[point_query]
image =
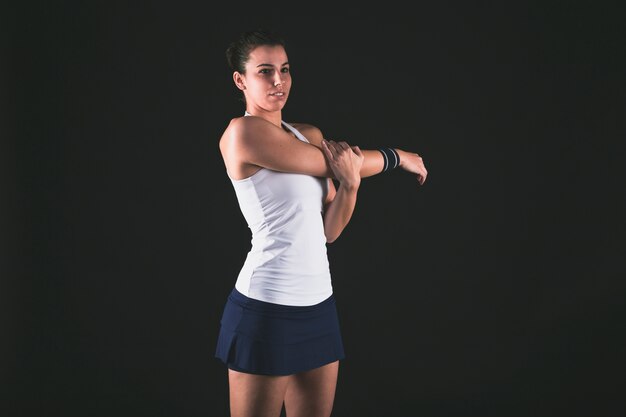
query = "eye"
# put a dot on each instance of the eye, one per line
(284, 70)
(264, 71)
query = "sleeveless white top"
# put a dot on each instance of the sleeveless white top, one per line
(287, 263)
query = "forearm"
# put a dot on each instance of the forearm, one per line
(339, 211)
(373, 161)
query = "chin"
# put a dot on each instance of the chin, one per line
(276, 106)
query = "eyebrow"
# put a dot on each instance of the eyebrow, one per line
(270, 65)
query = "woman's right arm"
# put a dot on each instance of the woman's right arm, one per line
(251, 142)
(254, 142)
(373, 163)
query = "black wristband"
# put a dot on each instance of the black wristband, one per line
(390, 157)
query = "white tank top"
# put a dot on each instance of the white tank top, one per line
(287, 263)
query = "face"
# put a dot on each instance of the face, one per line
(267, 80)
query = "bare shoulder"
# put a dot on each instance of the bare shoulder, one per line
(240, 125)
(312, 133)
(230, 131)
(240, 129)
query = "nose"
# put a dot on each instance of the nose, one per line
(278, 80)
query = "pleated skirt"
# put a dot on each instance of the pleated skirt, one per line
(263, 338)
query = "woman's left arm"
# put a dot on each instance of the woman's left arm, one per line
(346, 162)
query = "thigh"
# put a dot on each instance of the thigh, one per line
(312, 393)
(256, 395)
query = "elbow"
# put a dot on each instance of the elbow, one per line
(330, 238)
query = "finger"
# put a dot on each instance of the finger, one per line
(332, 148)
(357, 150)
(326, 149)
(337, 148)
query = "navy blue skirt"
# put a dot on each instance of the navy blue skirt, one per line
(272, 339)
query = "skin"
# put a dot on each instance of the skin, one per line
(259, 141)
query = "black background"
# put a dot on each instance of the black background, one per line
(496, 289)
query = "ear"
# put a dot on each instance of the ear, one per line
(238, 78)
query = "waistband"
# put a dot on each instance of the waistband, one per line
(263, 306)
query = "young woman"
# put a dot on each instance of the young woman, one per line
(280, 336)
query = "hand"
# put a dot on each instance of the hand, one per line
(412, 162)
(345, 161)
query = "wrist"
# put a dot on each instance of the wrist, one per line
(350, 186)
(401, 156)
(391, 158)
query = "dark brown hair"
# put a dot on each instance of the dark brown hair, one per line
(238, 52)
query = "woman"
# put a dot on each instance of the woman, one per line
(279, 334)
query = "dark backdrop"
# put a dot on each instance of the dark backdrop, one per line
(496, 289)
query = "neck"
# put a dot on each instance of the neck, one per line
(273, 117)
